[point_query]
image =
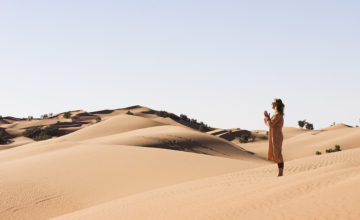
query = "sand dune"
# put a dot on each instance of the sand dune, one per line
(319, 187)
(175, 138)
(300, 143)
(105, 161)
(143, 166)
(114, 125)
(66, 176)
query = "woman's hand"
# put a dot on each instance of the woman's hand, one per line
(266, 114)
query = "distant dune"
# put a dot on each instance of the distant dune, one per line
(143, 166)
(301, 143)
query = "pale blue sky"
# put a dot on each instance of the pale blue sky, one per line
(221, 62)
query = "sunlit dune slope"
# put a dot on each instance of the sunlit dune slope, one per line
(113, 125)
(300, 143)
(49, 179)
(319, 187)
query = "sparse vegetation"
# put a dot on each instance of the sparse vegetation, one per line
(58, 122)
(230, 132)
(337, 148)
(244, 138)
(309, 126)
(238, 128)
(184, 117)
(41, 132)
(318, 153)
(166, 114)
(302, 123)
(67, 114)
(253, 137)
(98, 119)
(267, 134)
(194, 121)
(50, 114)
(205, 128)
(30, 118)
(129, 113)
(3, 138)
(44, 116)
(163, 114)
(173, 116)
(1, 118)
(356, 126)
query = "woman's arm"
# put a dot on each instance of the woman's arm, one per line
(272, 122)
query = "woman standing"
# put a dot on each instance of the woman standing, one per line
(275, 124)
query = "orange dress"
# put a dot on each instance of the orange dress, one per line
(275, 137)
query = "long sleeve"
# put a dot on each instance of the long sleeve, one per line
(274, 120)
(265, 121)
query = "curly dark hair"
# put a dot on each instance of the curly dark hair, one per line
(279, 106)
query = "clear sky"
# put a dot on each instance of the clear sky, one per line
(221, 62)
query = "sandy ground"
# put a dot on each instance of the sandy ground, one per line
(318, 187)
(143, 166)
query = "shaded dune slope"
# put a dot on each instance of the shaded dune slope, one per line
(175, 138)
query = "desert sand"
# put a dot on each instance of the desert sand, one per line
(143, 166)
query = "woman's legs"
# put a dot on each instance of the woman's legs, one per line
(281, 168)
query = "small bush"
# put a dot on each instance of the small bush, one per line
(58, 122)
(98, 119)
(184, 117)
(230, 132)
(67, 114)
(38, 133)
(163, 114)
(318, 153)
(253, 137)
(30, 118)
(205, 128)
(173, 116)
(244, 138)
(337, 148)
(3, 138)
(44, 116)
(238, 128)
(267, 134)
(129, 113)
(302, 123)
(1, 118)
(194, 121)
(50, 114)
(309, 126)
(357, 126)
